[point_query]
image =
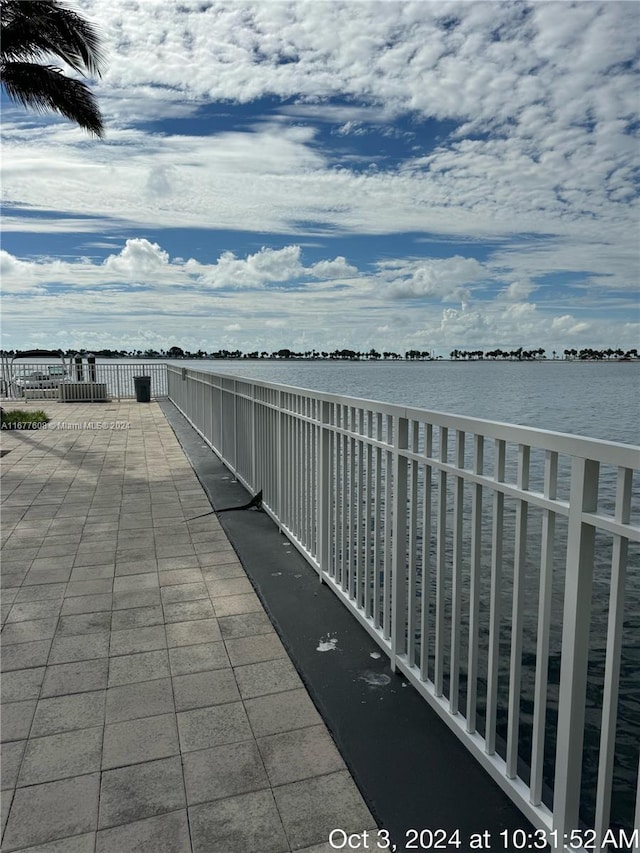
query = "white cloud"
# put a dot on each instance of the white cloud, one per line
(142, 262)
(568, 326)
(264, 267)
(337, 268)
(517, 291)
(445, 279)
(17, 276)
(138, 258)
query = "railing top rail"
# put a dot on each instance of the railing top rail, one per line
(606, 452)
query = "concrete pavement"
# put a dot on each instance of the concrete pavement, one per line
(147, 702)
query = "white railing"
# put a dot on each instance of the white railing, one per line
(491, 562)
(118, 377)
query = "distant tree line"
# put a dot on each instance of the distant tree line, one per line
(599, 355)
(522, 354)
(285, 353)
(519, 354)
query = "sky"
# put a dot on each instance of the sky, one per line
(327, 175)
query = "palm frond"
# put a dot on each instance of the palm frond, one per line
(35, 29)
(44, 88)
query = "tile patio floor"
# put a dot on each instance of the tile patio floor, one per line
(147, 703)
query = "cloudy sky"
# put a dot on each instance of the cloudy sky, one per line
(329, 174)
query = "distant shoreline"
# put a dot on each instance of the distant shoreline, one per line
(272, 360)
(392, 360)
(402, 360)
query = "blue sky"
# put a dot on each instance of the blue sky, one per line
(398, 175)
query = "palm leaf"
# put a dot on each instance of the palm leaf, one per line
(36, 28)
(45, 88)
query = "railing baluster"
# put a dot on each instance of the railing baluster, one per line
(425, 603)
(359, 502)
(324, 485)
(441, 566)
(303, 474)
(495, 603)
(517, 615)
(456, 586)
(339, 504)
(544, 622)
(313, 499)
(388, 526)
(474, 585)
(254, 448)
(353, 497)
(309, 465)
(412, 602)
(345, 576)
(334, 494)
(612, 662)
(312, 461)
(298, 472)
(377, 545)
(369, 503)
(399, 566)
(282, 456)
(575, 644)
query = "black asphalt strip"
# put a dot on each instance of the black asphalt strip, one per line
(412, 771)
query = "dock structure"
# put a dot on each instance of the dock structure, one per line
(147, 702)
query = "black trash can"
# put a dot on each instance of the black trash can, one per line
(142, 384)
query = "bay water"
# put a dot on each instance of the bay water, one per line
(596, 399)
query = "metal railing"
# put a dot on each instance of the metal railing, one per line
(116, 376)
(491, 562)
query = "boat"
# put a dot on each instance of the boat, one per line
(23, 377)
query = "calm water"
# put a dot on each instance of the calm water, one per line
(598, 400)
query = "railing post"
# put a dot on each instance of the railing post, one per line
(544, 625)
(614, 649)
(279, 459)
(456, 579)
(212, 405)
(497, 531)
(399, 562)
(441, 566)
(517, 616)
(323, 485)
(234, 426)
(253, 436)
(575, 645)
(474, 586)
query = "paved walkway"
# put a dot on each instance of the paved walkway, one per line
(147, 703)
